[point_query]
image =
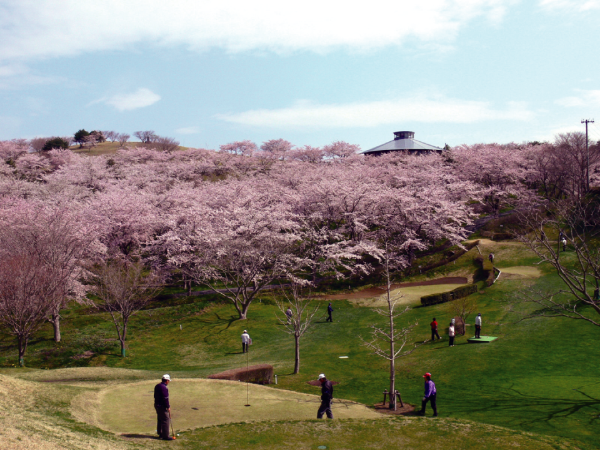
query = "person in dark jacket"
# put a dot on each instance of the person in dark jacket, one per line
(434, 329)
(429, 396)
(329, 311)
(163, 408)
(326, 397)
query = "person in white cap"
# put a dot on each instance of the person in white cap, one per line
(326, 397)
(478, 326)
(163, 408)
(245, 341)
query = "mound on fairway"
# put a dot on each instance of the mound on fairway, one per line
(199, 403)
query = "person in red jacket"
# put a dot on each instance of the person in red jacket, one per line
(434, 329)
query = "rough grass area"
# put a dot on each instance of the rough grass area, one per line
(33, 417)
(203, 403)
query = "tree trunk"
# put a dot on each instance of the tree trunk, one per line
(392, 347)
(297, 359)
(124, 336)
(244, 311)
(22, 348)
(56, 325)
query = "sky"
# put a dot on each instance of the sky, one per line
(313, 72)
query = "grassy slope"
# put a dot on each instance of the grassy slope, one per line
(540, 376)
(107, 148)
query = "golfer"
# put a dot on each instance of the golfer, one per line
(478, 326)
(329, 311)
(430, 395)
(451, 334)
(289, 314)
(326, 397)
(434, 329)
(163, 408)
(245, 341)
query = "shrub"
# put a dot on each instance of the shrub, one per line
(55, 143)
(459, 292)
(258, 374)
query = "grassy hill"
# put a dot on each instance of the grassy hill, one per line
(534, 387)
(108, 148)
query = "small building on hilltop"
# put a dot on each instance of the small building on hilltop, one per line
(404, 141)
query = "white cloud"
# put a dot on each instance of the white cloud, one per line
(371, 114)
(569, 5)
(15, 75)
(31, 29)
(585, 99)
(125, 102)
(187, 130)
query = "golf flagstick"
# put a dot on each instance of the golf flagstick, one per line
(171, 422)
(247, 377)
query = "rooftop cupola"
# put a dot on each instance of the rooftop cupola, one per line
(404, 135)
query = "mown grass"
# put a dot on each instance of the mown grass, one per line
(540, 376)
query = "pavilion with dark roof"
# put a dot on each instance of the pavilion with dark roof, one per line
(404, 141)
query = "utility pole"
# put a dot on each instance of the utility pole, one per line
(587, 148)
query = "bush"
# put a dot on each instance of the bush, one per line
(55, 143)
(459, 292)
(258, 374)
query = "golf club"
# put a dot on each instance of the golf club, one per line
(171, 421)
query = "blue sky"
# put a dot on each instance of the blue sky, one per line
(311, 72)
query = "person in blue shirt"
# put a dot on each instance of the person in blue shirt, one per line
(162, 407)
(329, 311)
(430, 395)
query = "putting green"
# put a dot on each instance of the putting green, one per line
(520, 272)
(406, 295)
(197, 403)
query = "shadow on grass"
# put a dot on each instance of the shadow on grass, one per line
(548, 409)
(139, 436)
(218, 324)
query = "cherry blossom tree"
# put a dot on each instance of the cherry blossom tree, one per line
(41, 253)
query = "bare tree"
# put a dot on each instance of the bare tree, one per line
(389, 343)
(580, 272)
(145, 136)
(123, 138)
(299, 320)
(463, 308)
(123, 288)
(112, 135)
(165, 144)
(37, 144)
